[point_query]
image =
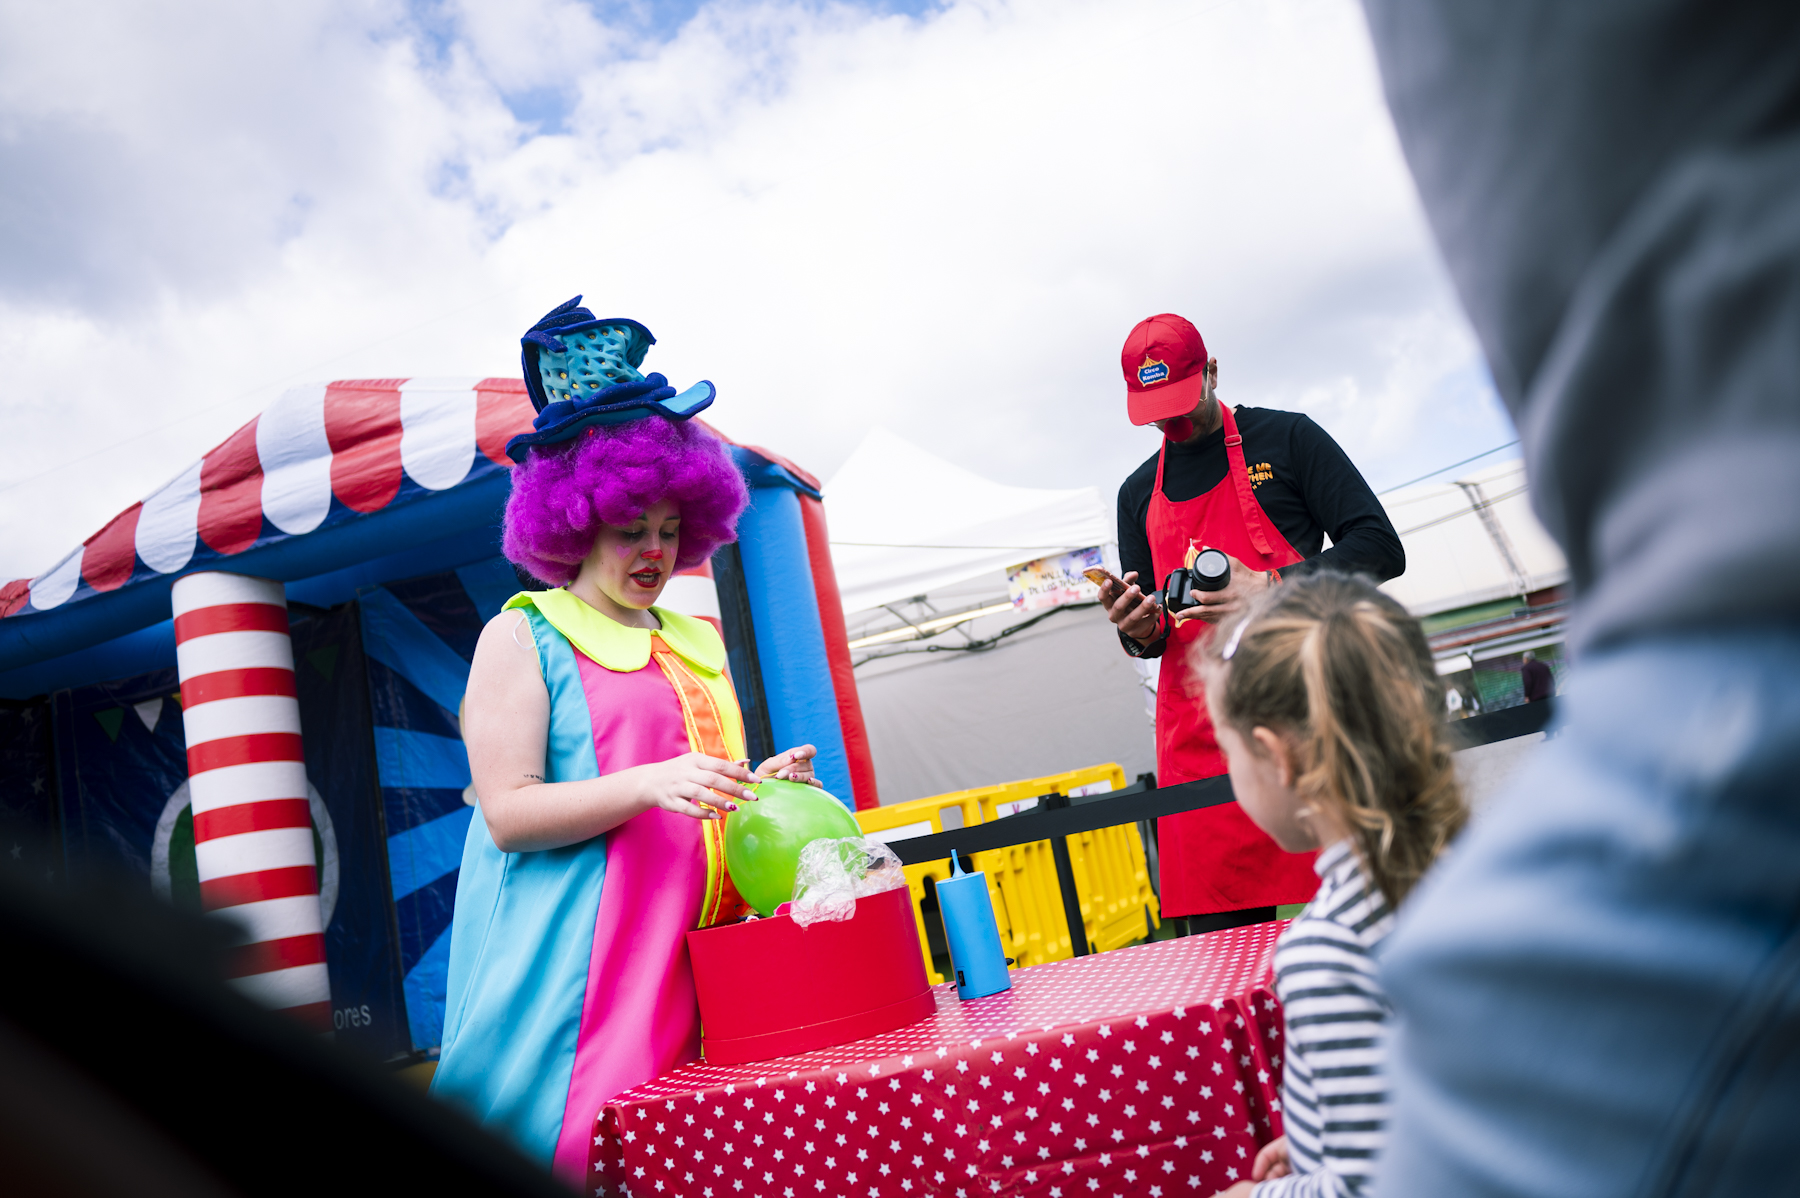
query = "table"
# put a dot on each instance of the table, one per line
(1153, 1070)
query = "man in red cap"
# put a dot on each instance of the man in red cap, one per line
(1266, 488)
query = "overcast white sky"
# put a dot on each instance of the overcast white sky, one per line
(942, 218)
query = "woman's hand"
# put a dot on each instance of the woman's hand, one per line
(1272, 1161)
(795, 765)
(692, 784)
(506, 726)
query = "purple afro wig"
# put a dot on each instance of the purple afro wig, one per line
(610, 475)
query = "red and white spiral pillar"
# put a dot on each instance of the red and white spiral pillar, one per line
(253, 837)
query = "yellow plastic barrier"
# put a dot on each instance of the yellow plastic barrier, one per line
(1111, 874)
(921, 817)
(1112, 878)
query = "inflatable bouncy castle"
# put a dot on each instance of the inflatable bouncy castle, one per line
(245, 690)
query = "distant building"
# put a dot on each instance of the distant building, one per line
(1484, 578)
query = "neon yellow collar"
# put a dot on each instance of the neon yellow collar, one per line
(623, 649)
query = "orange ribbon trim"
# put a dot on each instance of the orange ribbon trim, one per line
(706, 734)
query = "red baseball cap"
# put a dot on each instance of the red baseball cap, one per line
(1164, 362)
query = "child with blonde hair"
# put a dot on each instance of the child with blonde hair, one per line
(1329, 709)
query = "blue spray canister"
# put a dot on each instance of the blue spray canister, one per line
(972, 933)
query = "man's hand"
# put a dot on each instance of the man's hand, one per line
(1245, 585)
(1133, 611)
(1272, 1161)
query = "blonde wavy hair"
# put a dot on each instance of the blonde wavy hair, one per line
(1346, 674)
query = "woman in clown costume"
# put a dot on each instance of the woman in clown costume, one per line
(606, 745)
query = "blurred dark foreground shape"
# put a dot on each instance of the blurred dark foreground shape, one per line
(127, 1067)
(1598, 991)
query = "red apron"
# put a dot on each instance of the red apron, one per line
(1214, 859)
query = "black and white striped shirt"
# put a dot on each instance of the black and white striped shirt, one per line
(1333, 1090)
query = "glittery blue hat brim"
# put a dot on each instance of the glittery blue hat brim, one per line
(616, 397)
(608, 407)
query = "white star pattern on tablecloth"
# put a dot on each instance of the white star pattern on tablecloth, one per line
(987, 1096)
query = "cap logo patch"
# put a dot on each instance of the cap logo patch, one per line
(1152, 372)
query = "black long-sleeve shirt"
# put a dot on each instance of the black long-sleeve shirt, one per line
(1305, 483)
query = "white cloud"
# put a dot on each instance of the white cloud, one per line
(943, 224)
(528, 45)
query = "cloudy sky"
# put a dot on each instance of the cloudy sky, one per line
(940, 217)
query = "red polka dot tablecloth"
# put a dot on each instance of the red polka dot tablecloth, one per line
(1153, 1070)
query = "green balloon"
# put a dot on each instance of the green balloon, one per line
(763, 839)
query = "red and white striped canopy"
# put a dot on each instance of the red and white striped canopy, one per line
(320, 455)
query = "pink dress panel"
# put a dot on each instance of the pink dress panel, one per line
(640, 1017)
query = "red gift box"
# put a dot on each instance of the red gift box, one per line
(771, 988)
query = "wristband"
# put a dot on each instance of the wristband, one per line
(1137, 648)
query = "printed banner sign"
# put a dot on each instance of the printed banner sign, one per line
(1054, 581)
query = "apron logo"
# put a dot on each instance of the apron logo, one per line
(1152, 372)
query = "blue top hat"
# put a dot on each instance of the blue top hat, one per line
(582, 371)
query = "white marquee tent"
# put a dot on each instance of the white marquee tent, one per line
(905, 522)
(917, 540)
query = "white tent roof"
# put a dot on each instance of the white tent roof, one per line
(900, 521)
(1471, 540)
(905, 522)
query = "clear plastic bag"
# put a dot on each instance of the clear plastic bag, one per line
(834, 873)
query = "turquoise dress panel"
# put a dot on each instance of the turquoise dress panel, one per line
(520, 941)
